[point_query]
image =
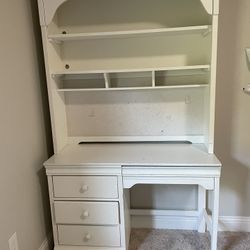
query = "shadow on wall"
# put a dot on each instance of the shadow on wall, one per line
(45, 109)
(235, 193)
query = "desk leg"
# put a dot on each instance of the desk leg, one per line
(201, 207)
(215, 214)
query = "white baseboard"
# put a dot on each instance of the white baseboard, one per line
(234, 223)
(47, 243)
(185, 221)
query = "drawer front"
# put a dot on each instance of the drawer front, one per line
(85, 186)
(98, 213)
(108, 236)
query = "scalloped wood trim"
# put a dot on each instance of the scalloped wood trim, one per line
(208, 5)
(50, 8)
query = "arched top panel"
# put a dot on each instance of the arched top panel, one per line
(48, 8)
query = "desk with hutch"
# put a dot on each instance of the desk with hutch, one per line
(134, 83)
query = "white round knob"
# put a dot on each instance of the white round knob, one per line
(87, 237)
(84, 215)
(84, 188)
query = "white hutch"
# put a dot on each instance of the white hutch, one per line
(132, 99)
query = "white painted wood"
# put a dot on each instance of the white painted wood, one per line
(216, 7)
(51, 194)
(177, 68)
(248, 54)
(85, 186)
(47, 243)
(154, 212)
(234, 223)
(87, 248)
(179, 220)
(50, 8)
(91, 213)
(88, 199)
(87, 170)
(107, 80)
(164, 222)
(127, 221)
(89, 235)
(41, 12)
(208, 220)
(247, 89)
(56, 100)
(130, 33)
(153, 79)
(208, 5)
(133, 88)
(171, 48)
(201, 207)
(215, 214)
(123, 218)
(206, 183)
(195, 139)
(213, 83)
(135, 154)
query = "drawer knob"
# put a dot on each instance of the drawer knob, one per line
(84, 188)
(84, 215)
(87, 237)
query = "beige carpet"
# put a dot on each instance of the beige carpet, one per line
(148, 239)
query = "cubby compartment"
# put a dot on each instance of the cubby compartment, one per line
(182, 78)
(130, 80)
(74, 82)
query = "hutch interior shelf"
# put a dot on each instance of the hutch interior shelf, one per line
(134, 82)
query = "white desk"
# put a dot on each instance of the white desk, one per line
(74, 185)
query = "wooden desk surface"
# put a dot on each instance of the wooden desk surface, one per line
(133, 154)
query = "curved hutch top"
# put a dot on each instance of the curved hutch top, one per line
(50, 8)
(131, 70)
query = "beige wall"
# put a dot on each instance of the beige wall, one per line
(24, 127)
(232, 137)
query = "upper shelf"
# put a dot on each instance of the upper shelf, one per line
(203, 30)
(180, 68)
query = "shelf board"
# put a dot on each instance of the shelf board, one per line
(82, 72)
(203, 29)
(133, 88)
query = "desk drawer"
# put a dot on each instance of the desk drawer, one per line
(85, 186)
(89, 235)
(98, 213)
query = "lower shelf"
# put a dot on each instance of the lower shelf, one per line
(133, 88)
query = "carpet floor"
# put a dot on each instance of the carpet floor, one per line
(159, 239)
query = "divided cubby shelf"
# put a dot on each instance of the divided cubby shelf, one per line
(165, 78)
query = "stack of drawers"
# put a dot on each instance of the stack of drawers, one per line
(86, 210)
